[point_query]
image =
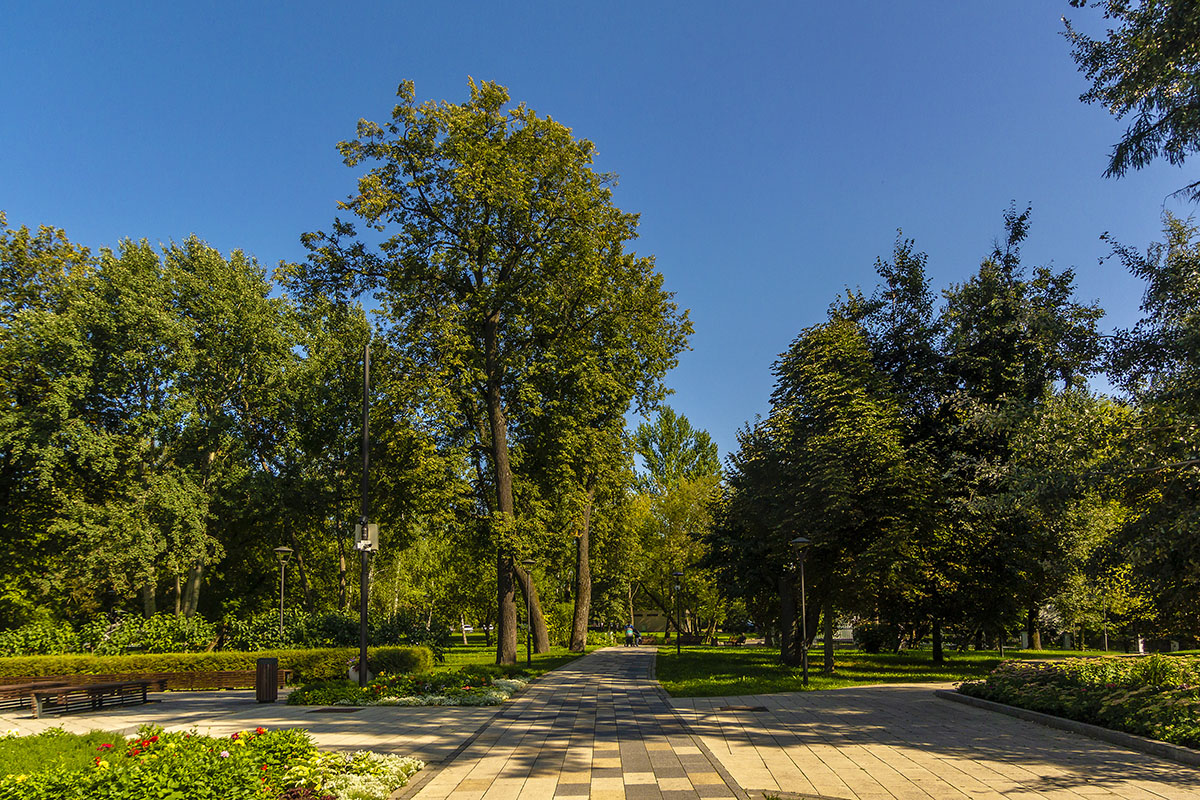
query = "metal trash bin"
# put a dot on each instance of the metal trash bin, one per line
(266, 680)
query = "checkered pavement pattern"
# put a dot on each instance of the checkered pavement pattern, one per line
(599, 727)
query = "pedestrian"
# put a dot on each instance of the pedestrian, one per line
(629, 635)
(637, 638)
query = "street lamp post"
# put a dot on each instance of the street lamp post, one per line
(678, 614)
(529, 613)
(799, 544)
(283, 554)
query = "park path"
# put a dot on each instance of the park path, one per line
(598, 727)
(901, 742)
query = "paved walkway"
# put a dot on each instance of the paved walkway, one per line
(601, 727)
(900, 742)
(598, 727)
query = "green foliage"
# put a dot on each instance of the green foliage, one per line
(155, 765)
(162, 633)
(1155, 696)
(53, 749)
(530, 285)
(672, 451)
(877, 637)
(307, 665)
(304, 630)
(1146, 66)
(40, 638)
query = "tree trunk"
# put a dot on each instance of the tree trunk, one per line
(827, 635)
(789, 651)
(302, 573)
(541, 635)
(462, 627)
(1035, 635)
(343, 581)
(178, 596)
(583, 581)
(487, 629)
(506, 632)
(191, 590)
(149, 607)
(506, 601)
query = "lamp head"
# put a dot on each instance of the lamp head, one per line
(799, 543)
(283, 554)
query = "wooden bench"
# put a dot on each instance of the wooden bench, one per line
(690, 639)
(92, 696)
(20, 695)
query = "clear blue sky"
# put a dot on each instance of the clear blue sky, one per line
(772, 149)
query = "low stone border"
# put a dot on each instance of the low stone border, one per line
(1171, 752)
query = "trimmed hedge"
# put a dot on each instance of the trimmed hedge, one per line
(306, 665)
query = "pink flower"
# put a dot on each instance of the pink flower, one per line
(224, 754)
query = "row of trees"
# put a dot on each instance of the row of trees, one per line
(169, 417)
(953, 469)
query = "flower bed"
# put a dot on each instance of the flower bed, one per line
(1155, 696)
(460, 688)
(250, 765)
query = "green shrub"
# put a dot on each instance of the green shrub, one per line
(1155, 696)
(327, 693)
(249, 765)
(40, 639)
(331, 630)
(306, 665)
(872, 637)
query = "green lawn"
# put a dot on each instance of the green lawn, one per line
(715, 671)
(478, 653)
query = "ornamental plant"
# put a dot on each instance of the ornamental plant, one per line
(249, 765)
(1156, 696)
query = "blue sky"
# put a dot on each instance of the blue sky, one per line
(772, 149)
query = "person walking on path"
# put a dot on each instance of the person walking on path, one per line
(629, 635)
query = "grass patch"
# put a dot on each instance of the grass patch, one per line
(719, 671)
(53, 749)
(479, 654)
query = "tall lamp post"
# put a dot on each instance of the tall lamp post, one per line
(678, 613)
(283, 554)
(799, 545)
(529, 562)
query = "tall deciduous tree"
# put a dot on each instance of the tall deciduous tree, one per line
(503, 254)
(1158, 363)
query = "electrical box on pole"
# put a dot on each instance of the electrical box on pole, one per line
(368, 540)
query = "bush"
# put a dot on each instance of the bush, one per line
(1155, 696)
(301, 629)
(40, 639)
(249, 765)
(872, 637)
(306, 665)
(603, 638)
(162, 633)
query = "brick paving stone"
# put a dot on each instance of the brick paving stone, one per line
(613, 734)
(902, 743)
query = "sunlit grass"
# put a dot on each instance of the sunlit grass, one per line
(719, 671)
(478, 653)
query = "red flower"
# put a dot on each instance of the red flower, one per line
(264, 766)
(236, 735)
(260, 731)
(104, 747)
